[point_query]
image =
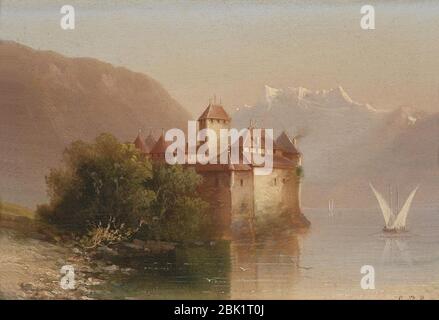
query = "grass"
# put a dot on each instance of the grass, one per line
(10, 209)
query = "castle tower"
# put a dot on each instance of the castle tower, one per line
(289, 151)
(140, 144)
(215, 118)
(289, 148)
(159, 150)
(150, 142)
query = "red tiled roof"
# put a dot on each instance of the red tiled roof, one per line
(251, 137)
(150, 142)
(160, 146)
(286, 144)
(222, 167)
(282, 163)
(140, 144)
(214, 111)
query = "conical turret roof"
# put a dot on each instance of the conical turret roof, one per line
(286, 143)
(150, 142)
(214, 111)
(160, 146)
(140, 144)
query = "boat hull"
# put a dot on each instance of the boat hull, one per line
(393, 230)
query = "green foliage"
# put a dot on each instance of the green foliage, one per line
(300, 172)
(10, 209)
(178, 213)
(106, 183)
(106, 235)
(101, 180)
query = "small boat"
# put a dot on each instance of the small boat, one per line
(331, 211)
(394, 222)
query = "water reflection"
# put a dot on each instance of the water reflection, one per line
(243, 269)
(279, 266)
(267, 269)
(396, 251)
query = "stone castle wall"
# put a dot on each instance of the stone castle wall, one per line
(276, 193)
(242, 190)
(236, 197)
(215, 190)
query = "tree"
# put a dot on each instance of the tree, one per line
(109, 188)
(99, 182)
(300, 173)
(178, 212)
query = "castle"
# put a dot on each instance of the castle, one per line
(237, 196)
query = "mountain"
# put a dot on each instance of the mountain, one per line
(345, 144)
(414, 157)
(48, 100)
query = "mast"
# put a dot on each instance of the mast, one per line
(331, 206)
(390, 198)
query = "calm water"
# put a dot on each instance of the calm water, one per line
(323, 263)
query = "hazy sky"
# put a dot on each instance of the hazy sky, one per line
(234, 48)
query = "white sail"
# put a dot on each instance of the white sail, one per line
(387, 213)
(401, 219)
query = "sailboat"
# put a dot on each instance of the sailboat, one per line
(394, 222)
(331, 208)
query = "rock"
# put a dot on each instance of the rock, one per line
(133, 246)
(107, 250)
(47, 294)
(159, 246)
(127, 270)
(112, 268)
(86, 269)
(93, 282)
(138, 242)
(28, 286)
(100, 264)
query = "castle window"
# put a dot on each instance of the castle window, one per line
(275, 181)
(242, 182)
(284, 180)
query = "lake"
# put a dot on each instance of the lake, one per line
(322, 263)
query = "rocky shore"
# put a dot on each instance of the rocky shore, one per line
(31, 263)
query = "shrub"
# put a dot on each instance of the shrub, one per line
(300, 172)
(105, 182)
(178, 212)
(106, 235)
(99, 181)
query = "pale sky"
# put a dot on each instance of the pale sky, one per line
(233, 48)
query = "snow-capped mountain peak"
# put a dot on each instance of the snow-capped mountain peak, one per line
(339, 94)
(330, 99)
